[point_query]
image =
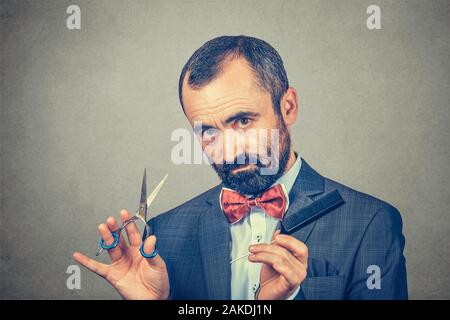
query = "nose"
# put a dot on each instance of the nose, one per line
(234, 144)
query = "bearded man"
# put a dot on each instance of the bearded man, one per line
(274, 228)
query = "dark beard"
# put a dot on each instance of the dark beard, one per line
(250, 181)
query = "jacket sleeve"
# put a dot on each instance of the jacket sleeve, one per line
(379, 270)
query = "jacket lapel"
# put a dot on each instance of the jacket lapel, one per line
(307, 185)
(215, 250)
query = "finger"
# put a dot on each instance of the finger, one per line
(274, 249)
(291, 273)
(113, 226)
(133, 234)
(275, 277)
(105, 233)
(269, 258)
(149, 247)
(292, 277)
(295, 246)
(95, 266)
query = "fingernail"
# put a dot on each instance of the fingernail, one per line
(251, 248)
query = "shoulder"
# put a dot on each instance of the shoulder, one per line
(365, 208)
(189, 210)
(362, 219)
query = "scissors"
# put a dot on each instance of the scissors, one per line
(141, 214)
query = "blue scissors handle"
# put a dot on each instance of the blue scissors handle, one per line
(148, 256)
(116, 236)
(141, 214)
(145, 234)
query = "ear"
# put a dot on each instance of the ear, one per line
(289, 106)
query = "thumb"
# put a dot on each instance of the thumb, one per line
(149, 247)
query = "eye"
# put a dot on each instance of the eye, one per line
(243, 122)
(209, 134)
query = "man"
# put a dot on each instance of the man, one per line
(337, 243)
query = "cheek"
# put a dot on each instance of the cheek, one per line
(227, 146)
(270, 121)
(213, 148)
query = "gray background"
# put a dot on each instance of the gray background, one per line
(83, 112)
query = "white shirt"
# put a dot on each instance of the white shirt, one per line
(256, 227)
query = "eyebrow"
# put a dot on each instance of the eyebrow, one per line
(240, 115)
(234, 117)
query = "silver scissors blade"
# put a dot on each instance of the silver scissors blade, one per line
(142, 203)
(144, 187)
(155, 191)
(150, 199)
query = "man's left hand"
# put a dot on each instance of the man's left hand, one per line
(285, 263)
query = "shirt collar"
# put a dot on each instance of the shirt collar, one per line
(288, 179)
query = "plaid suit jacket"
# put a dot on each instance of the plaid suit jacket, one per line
(355, 249)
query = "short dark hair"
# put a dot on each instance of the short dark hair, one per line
(207, 62)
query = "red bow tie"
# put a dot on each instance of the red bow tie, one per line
(235, 206)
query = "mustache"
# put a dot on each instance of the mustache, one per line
(242, 161)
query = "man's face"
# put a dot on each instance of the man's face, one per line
(235, 120)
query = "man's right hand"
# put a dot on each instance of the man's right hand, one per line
(132, 275)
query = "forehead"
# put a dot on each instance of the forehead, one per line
(234, 89)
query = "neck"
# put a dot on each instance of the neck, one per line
(291, 161)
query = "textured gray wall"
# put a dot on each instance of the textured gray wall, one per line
(83, 112)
